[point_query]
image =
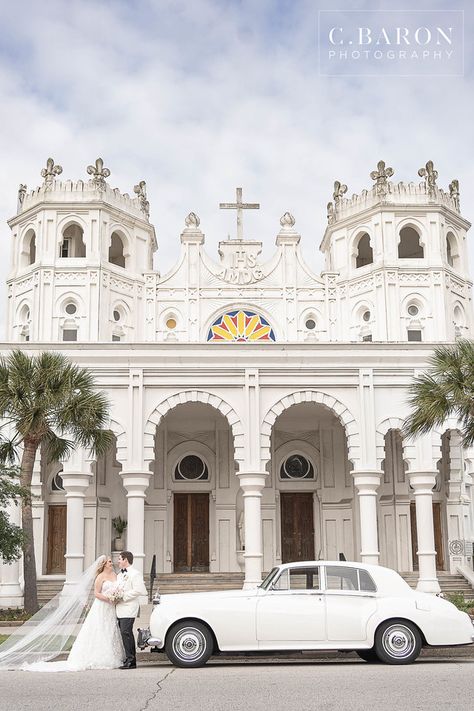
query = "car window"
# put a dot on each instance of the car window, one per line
(366, 582)
(341, 578)
(304, 578)
(283, 582)
(298, 579)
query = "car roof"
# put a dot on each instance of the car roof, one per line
(387, 580)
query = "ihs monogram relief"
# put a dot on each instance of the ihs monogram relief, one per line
(242, 268)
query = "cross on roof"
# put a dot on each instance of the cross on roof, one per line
(239, 206)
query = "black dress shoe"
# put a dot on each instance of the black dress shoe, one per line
(128, 666)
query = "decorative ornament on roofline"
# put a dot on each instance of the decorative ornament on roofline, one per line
(49, 173)
(287, 221)
(192, 221)
(140, 191)
(99, 174)
(380, 176)
(339, 191)
(454, 194)
(21, 196)
(430, 175)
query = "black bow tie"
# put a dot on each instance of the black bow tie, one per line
(123, 571)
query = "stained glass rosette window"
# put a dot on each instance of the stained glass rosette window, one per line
(241, 327)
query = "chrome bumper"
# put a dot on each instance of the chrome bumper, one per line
(146, 640)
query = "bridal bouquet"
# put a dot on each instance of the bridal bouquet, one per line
(115, 594)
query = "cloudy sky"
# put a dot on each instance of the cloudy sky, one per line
(200, 96)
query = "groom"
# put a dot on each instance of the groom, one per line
(132, 584)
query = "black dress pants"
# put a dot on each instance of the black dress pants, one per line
(128, 639)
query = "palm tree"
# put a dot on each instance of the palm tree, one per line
(46, 401)
(446, 389)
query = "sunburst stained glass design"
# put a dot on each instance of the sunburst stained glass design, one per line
(240, 327)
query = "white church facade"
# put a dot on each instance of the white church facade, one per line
(257, 407)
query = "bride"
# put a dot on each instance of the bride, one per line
(98, 644)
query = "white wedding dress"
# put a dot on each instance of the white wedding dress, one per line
(98, 644)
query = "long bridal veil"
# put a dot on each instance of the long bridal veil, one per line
(53, 628)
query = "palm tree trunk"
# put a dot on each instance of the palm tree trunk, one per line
(29, 562)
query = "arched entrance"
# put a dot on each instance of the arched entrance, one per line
(313, 488)
(190, 510)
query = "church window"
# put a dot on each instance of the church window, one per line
(72, 244)
(57, 483)
(116, 251)
(409, 246)
(69, 334)
(366, 316)
(452, 252)
(413, 310)
(310, 324)
(191, 468)
(65, 248)
(116, 338)
(71, 308)
(171, 323)
(241, 326)
(365, 254)
(367, 338)
(33, 249)
(296, 466)
(117, 315)
(414, 335)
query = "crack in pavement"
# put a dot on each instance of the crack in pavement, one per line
(158, 683)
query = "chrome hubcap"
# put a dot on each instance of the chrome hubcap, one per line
(398, 641)
(189, 644)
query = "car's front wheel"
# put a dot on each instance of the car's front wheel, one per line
(397, 642)
(189, 644)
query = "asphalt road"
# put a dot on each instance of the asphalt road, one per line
(250, 685)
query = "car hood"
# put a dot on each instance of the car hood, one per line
(203, 596)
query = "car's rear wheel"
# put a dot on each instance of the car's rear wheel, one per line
(397, 642)
(189, 644)
(368, 655)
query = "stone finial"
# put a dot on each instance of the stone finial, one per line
(430, 175)
(99, 173)
(21, 196)
(331, 213)
(192, 221)
(380, 176)
(140, 191)
(454, 194)
(49, 173)
(287, 221)
(339, 191)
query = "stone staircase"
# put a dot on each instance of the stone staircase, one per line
(169, 583)
(449, 583)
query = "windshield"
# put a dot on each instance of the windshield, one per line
(266, 583)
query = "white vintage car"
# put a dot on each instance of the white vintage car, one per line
(315, 605)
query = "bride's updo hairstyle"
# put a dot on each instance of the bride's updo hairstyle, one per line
(101, 565)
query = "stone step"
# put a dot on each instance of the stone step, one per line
(449, 584)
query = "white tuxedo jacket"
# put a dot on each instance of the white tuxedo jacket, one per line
(133, 586)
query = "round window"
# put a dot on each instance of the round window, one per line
(57, 483)
(366, 316)
(191, 468)
(296, 467)
(171, 323)
(71, 309)
(310, 324)
(413, 310)
(117, 315)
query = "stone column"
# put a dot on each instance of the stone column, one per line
(423, 482)
(75, 485)
(367, 483)
(136, 484)
(11, 594)
(252, 484)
